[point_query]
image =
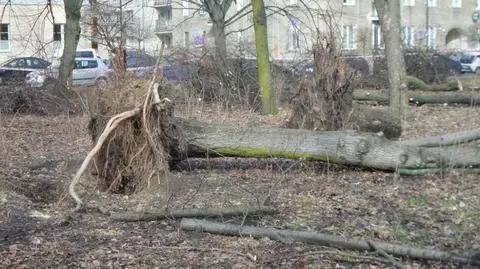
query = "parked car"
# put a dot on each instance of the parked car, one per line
(470, 62)
(86, 71)
(89, 71)
(16, 69)
(86, 53)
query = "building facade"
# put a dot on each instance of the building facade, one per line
(28, 28)
(31, 29)
(436, 24)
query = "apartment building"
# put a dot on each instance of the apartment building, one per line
(28, 27)
(31, 28)
(436, 24)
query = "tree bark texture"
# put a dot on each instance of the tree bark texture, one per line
(389, 14)
(218, 30)
(327, 240)
(72, 35)
(422, 97)
(348, 147)
(263, 57)
(217, 10)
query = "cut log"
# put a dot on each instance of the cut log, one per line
(422, 97)
(349, 147)
(327, 240)
(192, 213)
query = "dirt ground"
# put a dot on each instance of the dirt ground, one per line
(40, 154)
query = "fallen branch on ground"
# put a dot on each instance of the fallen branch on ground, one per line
(422, 97)
(192, 213)
(328, 240)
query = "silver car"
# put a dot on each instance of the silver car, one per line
(89, 71)
(86, 72)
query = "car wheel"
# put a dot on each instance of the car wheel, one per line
(101, 83)
(477, 71)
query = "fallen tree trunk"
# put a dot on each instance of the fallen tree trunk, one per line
(327, 240)
(422, 97)
(192, 213)
(418, 84)
(347, 147)
(374, 120)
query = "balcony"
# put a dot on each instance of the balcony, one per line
(162, 3)
(163, 26)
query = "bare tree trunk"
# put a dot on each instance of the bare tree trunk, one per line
(263, 59)
(218, 29)
(72, 35)
(389, 14)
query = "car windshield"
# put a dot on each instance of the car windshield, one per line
(467, 59)
(84, 54)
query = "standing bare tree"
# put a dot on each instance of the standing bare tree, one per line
(72, 35)
(263, 59)
(389, 14)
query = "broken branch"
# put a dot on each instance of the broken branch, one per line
(326, 240)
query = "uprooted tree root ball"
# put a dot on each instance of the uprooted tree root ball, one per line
(324, 101)
(138, 151)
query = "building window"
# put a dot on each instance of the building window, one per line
(432, 37)
(374, 13)
(456, 3)
(295, 33)
(57, 32)
(431, 3)
(408, 36)
(377, 38)
(409, 3)
(186, 41)
(185, 7)
(348, 37)
(348, 2)
(199, 38)
(4, 37)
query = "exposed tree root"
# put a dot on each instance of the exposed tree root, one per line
(329, 240)
(111, 125)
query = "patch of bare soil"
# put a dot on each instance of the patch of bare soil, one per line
(41, 153)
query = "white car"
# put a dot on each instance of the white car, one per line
(86, 72)
(470, 62)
